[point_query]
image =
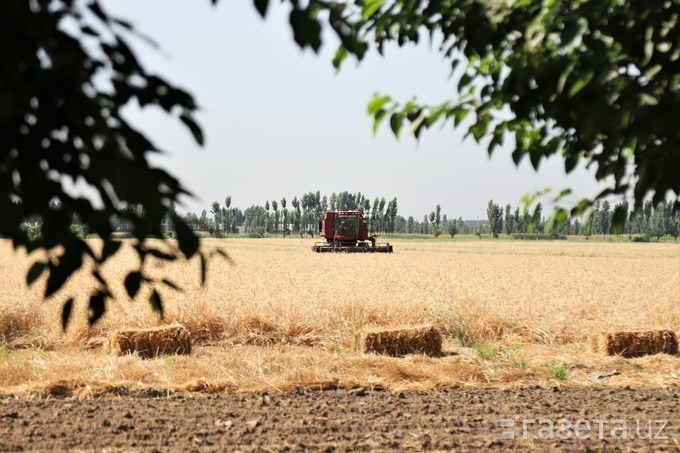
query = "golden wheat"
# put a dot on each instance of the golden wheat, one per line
(282, 315)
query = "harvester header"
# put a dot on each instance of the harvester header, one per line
(347, 231)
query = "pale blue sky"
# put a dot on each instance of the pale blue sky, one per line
(279, 122)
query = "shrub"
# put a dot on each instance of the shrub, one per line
(79, 229)
(33, 231)
(258, 233)
(644, 238)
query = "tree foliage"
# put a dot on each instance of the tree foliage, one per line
(594, 83)
(494, 214)
(67, 72)
(452, 228)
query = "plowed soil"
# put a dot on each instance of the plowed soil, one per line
(357, 419)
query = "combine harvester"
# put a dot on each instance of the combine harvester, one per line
(347, 231)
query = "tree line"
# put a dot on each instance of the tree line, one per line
(653, 221)
(301, 217)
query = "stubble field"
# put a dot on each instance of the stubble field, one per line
(279, 316)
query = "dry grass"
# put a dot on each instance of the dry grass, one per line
(283, 316)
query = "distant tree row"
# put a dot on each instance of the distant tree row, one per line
(299, 218)
(302, 215)
(656, 221)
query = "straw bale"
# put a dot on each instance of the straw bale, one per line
(636, 343)
(401, 341)
(151, 342)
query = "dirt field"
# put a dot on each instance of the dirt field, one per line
(611, 419)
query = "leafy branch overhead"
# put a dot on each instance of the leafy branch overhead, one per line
(61, 122)
(595, 83)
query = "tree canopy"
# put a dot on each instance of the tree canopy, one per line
(67, 152)
(592, 82)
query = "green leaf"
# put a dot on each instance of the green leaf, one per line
(97, 307)
(377, 103)
(464, 81)
(339, 57)
(648, 99)
(581, 83)
(156, 303)
(628, 151)
(194, 128)
(66, 314)
(535, 217)
(581, 207)
(459, 115)
(99, 277)
(535, 157)
(188, 241)
(570, 161)
(573, 30)
(417, 122)
(370, 8)
(562, 194)
(435, 114)
(223, 254)
(517, 155)
(306, 29)
(478, 130)
(204, 269)
(560, 216)
(556, 219)
(561, 82)
(170, 284)
(133, 282)
(552, 146)
(649, 45)
(110, 249)
(261, 6)
(58, 276)
(379, 117)
(160, 255)
(396, 121)
(496, 140)
(35, 272)
(619, 218)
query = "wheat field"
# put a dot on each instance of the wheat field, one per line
(278, 315)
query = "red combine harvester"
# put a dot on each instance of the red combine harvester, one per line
(347, 231)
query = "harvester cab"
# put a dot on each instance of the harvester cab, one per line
(347, 231)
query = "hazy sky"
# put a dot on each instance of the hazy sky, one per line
(279, 122)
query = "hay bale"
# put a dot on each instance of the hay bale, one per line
(151, 342)
(398, 342)
(637, 343)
